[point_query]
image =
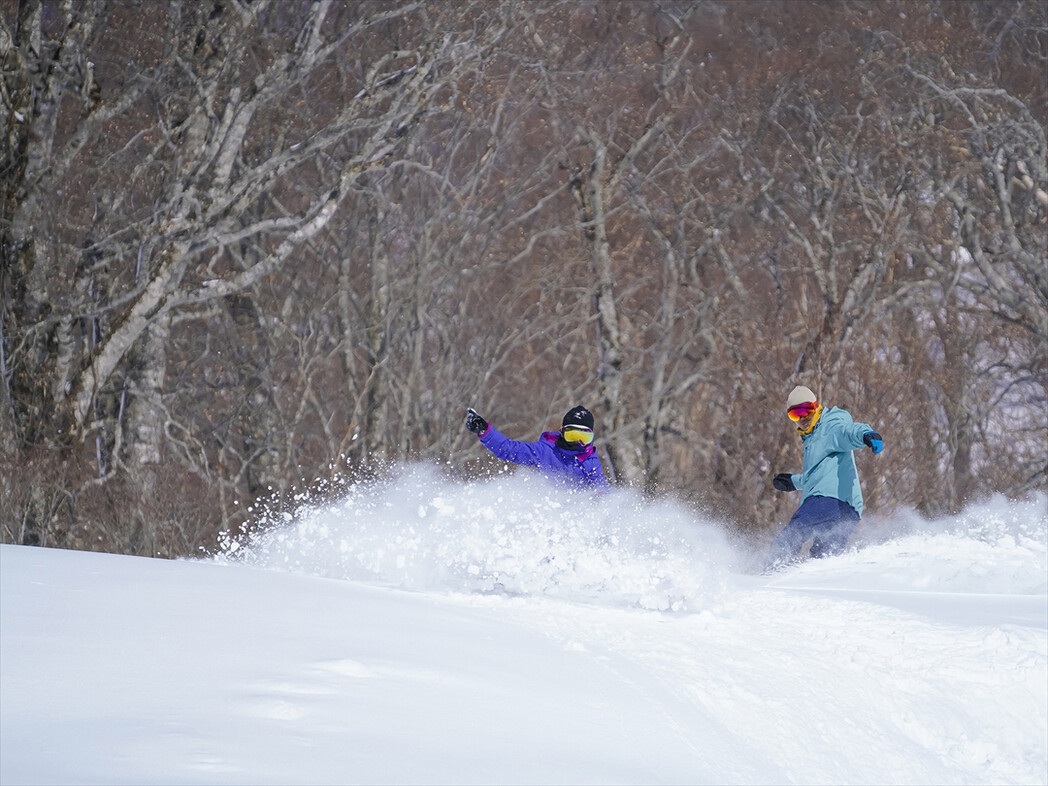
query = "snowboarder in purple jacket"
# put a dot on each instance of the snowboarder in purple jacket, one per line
(568, 455)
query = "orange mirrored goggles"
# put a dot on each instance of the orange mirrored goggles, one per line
(801, 411)
(577, 434)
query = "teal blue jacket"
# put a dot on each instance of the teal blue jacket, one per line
(829, 467)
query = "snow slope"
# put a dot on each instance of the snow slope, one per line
(428, 631)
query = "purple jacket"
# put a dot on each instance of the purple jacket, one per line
(579, 467)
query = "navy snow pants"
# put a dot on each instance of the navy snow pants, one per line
(828, 521)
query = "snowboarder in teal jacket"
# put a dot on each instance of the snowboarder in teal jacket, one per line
(568, 454)
(831, 499)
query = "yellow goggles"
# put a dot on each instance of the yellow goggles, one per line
(577, 434)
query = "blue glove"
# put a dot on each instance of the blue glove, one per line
(873, 439)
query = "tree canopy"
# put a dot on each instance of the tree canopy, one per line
(249, 248)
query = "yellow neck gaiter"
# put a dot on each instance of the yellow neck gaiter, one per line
(814, 420)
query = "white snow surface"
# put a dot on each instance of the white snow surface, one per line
(426, 630)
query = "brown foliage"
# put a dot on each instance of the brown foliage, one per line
(249, 247)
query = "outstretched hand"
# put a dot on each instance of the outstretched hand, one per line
(475, 422)
(874, 441)
(783, 482)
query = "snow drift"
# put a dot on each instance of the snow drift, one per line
(506, 631)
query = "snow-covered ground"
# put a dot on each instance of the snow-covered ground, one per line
(503, 631)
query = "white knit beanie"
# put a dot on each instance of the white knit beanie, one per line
(800, 395)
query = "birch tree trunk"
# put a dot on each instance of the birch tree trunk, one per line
(588, 184)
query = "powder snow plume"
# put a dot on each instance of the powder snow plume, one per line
(513, 534)
(519, 534)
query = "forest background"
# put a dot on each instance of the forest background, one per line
(253, 251)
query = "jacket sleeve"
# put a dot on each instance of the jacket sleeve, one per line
(526, 453)
(594, 472)
(848, 434)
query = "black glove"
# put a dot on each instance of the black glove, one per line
(873, 439)
(475, 422)
(783, 482)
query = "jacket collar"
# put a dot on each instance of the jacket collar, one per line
(814, 423)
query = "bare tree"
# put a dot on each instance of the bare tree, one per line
(245, 247)
(209, 202)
